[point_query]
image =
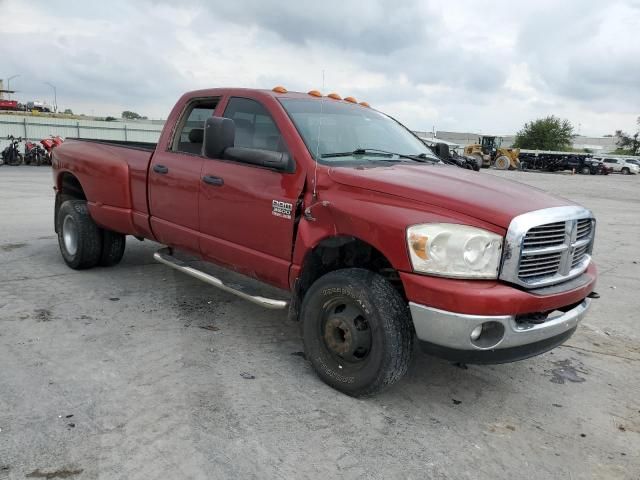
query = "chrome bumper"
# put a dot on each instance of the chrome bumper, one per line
(453, 330)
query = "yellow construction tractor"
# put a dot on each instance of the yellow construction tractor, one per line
(488, 152)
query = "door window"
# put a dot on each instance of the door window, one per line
(190, 131)
(254, 126)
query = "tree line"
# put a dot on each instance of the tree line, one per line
(553, 133)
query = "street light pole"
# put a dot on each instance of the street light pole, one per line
(9, 84)
(55, 97)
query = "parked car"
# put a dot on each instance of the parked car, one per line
(451, 157)
(620, 165)
(338, 213)
(635, 161)
(593, 167)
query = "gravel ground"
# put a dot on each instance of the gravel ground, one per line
(139, 372)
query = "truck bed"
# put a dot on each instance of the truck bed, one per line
(119, 143)
(113, 175)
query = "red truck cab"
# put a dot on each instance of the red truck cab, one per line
(340, 214)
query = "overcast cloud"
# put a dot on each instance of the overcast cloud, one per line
(464, 65)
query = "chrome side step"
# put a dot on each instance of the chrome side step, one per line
(244, 291)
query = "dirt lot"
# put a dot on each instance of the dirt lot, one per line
(139, 372)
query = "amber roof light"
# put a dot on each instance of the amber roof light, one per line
(350, 100)
(314, 93)
(365, 104)
(335, 96)
(279, 89)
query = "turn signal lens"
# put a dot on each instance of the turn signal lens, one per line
(279, 89)
(419, 245)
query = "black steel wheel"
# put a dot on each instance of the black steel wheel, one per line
(357, 331)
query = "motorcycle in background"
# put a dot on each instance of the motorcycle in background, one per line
(34, 154)
(11, 155)
(49, 144)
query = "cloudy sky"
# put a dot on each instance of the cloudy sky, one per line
(464, 65)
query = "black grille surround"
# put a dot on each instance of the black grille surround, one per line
(548, 246)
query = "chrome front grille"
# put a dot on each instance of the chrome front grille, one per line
(584, 228)
(545, 236)
(532, 266)
(578, 255)
(548, 246)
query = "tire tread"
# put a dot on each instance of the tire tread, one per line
(89, 237)
(395, 319)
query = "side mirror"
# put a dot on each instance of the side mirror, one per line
(263, 158)
(219, 135)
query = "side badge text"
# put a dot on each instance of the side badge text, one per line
(281, 209)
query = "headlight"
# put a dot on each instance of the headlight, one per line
(452, 250)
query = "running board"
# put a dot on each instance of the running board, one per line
(231, 282)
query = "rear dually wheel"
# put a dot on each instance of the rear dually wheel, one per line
(79, 238)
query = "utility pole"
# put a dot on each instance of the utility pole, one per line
(55, 97)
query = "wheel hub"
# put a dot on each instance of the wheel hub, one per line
(346, 332)
(70, 235)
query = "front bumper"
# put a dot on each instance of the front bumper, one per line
(448, 334)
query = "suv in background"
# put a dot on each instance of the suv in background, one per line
(621, 165)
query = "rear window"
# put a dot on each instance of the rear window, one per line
(190, 131)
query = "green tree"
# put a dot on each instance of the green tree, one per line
(68, 111)
(550, 133)
(629, 144)
(109, 119)
(128, 115)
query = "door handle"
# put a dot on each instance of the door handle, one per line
(160, 169)
(211, 180)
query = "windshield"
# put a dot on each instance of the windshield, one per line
(329, 127)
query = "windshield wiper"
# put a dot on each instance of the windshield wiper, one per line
(358, 151)
(422, 157)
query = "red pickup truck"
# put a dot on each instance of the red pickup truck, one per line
(338, 213)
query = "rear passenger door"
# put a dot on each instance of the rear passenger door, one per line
(247, 218)
(174, 179)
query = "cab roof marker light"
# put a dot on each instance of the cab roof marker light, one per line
(335, 96)
(350, 100)
(314, 93)
(279, 89)
(365, 104)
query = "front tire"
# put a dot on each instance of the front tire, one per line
(625, 171)
(79, 238)
(502, 163)
(357, 331)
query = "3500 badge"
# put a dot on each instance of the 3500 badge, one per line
(281, 209)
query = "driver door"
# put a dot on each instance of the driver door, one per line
(247, 216)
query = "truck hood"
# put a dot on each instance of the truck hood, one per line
(476, 194)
